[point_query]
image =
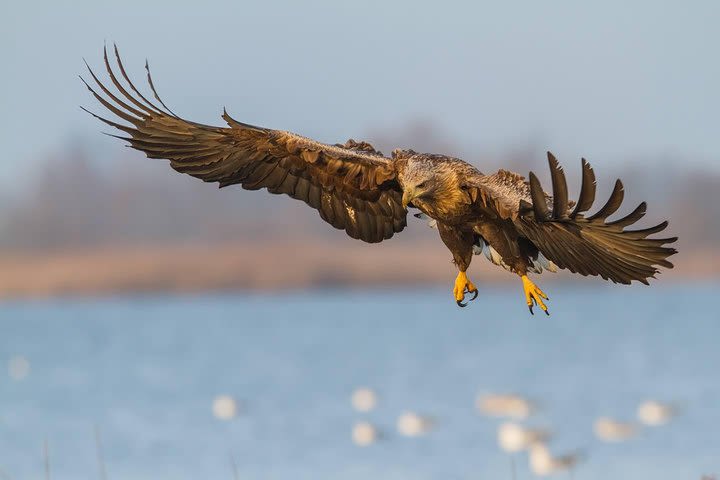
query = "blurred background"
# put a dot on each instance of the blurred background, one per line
(157, 327)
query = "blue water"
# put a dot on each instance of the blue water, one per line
(144, 371)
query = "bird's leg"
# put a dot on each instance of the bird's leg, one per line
(463, 285)
(533, 295)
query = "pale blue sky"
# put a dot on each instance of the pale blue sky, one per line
(609, 81)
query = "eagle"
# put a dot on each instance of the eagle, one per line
(356, 188)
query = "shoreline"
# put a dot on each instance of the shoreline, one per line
(263, 267)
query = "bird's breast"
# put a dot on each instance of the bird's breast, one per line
(447, 211)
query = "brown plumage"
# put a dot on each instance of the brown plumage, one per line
(357, 189)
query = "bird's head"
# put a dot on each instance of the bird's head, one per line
(420, 183)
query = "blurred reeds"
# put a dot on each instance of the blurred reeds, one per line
(130, 224)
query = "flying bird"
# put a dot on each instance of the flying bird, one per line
(356, 188)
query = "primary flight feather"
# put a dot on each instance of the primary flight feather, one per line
(357, 189)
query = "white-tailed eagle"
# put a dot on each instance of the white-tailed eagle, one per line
(357, 189)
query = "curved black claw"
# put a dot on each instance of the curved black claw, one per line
(460, 303)
(475, 294)
(530, 307)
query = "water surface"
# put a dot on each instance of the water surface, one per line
(145, 372)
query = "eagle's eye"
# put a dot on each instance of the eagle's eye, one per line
(422, 184)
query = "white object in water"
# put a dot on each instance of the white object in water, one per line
(18, 367)
(411, 424)
(653, 413)
(516, 438)
(364, 434)
(610, 430)
(364, 399)
(543, 463)
(504, 405)
(225, 407)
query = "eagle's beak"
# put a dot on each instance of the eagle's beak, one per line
(408, 196)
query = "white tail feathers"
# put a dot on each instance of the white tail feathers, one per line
(536, 265)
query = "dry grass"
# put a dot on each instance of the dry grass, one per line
(272, 265)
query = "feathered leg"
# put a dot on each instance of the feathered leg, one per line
(460, 244)
(515, 254)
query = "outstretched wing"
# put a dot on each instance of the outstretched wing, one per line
(591, 245)
(353, 187)
(562, 233)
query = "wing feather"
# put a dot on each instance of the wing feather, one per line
(538, 198)
(560, 190)
(592, 246)
(631, 217)
(613, 203)
(353, 187)
(587, 190)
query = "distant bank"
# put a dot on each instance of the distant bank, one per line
(274, 265)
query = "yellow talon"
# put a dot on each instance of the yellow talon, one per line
(463, 285)
(533, 295)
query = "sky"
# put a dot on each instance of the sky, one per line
(608, 80)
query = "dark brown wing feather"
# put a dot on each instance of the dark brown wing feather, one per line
(592, 246)
(353, 187)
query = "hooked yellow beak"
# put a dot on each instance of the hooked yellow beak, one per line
(408, 196)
